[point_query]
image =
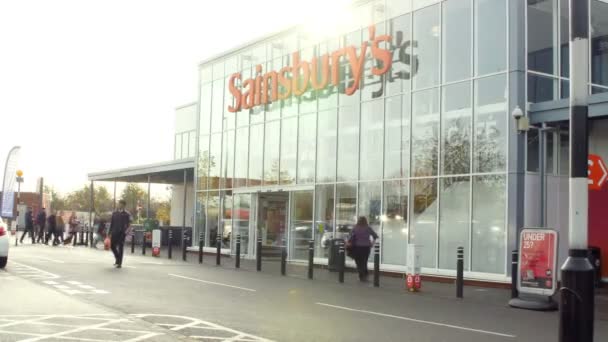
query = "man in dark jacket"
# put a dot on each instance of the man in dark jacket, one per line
(29, 225)
(121, 220)
(41, 222)
(51, 229)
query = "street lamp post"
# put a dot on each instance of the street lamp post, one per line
(577, 292)
(19, 180)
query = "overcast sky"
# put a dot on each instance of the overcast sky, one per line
(91, 85)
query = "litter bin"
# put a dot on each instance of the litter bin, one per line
(595, 260)
(334, 254)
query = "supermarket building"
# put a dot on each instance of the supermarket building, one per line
(401, 112)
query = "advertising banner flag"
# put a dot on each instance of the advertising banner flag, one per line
(8, 183)
(537, 261)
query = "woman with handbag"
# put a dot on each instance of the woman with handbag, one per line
(360, 243)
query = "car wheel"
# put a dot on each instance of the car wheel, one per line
(3, 261)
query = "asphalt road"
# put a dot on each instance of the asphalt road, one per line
(66, 293)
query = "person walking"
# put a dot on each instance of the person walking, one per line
(101, 231)
(120, 222)
(29, 225)
(72, 228)
(51, 228)
(60, 228)
(41, 222)
(361, 240)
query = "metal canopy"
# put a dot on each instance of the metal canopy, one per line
(170, 172)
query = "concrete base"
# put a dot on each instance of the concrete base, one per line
(536, 304)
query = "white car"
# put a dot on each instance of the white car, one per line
(4, 243)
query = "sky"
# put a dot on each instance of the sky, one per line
(92, 85)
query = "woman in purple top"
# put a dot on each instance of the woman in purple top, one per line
(361, 240)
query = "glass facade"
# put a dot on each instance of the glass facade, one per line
(420, 150)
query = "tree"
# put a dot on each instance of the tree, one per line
(79, 200)
(58, 202)
(135, 196)
(162, 210)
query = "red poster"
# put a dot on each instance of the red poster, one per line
(537, 261)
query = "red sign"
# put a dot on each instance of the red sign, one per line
(598, 173)
(537, 261)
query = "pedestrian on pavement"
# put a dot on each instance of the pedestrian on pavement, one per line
(29, 225)
(361, 240)
(60, 228)
(51, 228)
(120, 222)
(72, 228)
(101, 231)
(41, 222)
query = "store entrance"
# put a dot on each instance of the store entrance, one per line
(272, 222)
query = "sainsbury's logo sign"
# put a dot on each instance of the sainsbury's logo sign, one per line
(301, 75)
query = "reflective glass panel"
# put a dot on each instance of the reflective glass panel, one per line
(306, 148)
(490, 36)
(256, 155)
(427, 32)
(204, 160)
(346, 209)
(289, 150)
(542, 53)
(324, 219)
(397, 137)
(425, 132)
(399, 77)
(227, 160)
(215, 160)
(454, 220)
(394, 222)
(372, 139)
(301, 224)
(490, 124)
(205, 108)
(423, 229)
(213, 211)
(217, 104)
(457, 40)
(271, 152)
(226, 228)
(370, 203)
(348, 143)
(240, 157)
(241, 217)
(326, 146)
(456, 129)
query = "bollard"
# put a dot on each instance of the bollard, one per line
(341, 262)
(184, 245)
(170, 249)
(237, 261)
(514, 266)
(132, 241)
(377, 264)
(75, 238)
(201, 241)
(258, 254)
(86, 237)
(311, 256)
(284, 258)
(91, 236)
(459, 271)
(143, 242)
(218, 248)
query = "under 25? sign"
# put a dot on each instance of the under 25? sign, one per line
(537, 261)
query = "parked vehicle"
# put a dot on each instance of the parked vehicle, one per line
(4, 243)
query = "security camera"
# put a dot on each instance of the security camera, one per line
(517, 113)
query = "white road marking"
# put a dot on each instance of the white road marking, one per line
(72, 282)
(101, 291)
(129, 266)
(144, 337)
(212, 283)
(418, 320)
(86, 287)
(35, 272)
(51, 260)
(50, 282)
(68, 332)
(62, 287)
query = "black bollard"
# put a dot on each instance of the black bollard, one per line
(132, 241)
(459, 271)
(237, 261)
(92, 237)
(201, 241)
(143, 242)
(311, 256)
(341, 262)
(170, 250)
(258, 254)
(86, 237)
(284, 258)
(377, 264)
(218, 248)
(75, 238)
(184, 245)
(514, 271)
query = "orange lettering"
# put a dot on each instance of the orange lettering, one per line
(335, 66)
(273, 76)
(298, 65)
(258, 85)
(324, 72)
(285, 83)
(380, 54)
(235, 92)
(249, 94)
(356, 66)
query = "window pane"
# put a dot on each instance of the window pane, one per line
(454, 221)
(326, 146)
(372, 139)
(565, 37)
(489, 224)
(424, 219)
(217, 103)
(242, 116)
(213, 211)
(425, 133)
(396, 7)
(348, 143)
(240, 155)
(306, 148)
(328, 96)
(271, 152)
(215, 160)
(599, 43)
(241, 216)
(489, 149)
(394, 225)
(256, 155)
(227, 160)
(191, 144)
(346, 208)
(456, 129)
(370, 203)
(541, 25)
(397, 137)
(427, 35)
(372, 86)
(346, 77)
(205, 108)
(201, 214)
(301, 224)
(289, 150)
(226, 220)
(204, 160)
(399, 78)
(184, 150)
(178, 147)
(324, 218)
(541, 88)
(457, 36)
(490, 36)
